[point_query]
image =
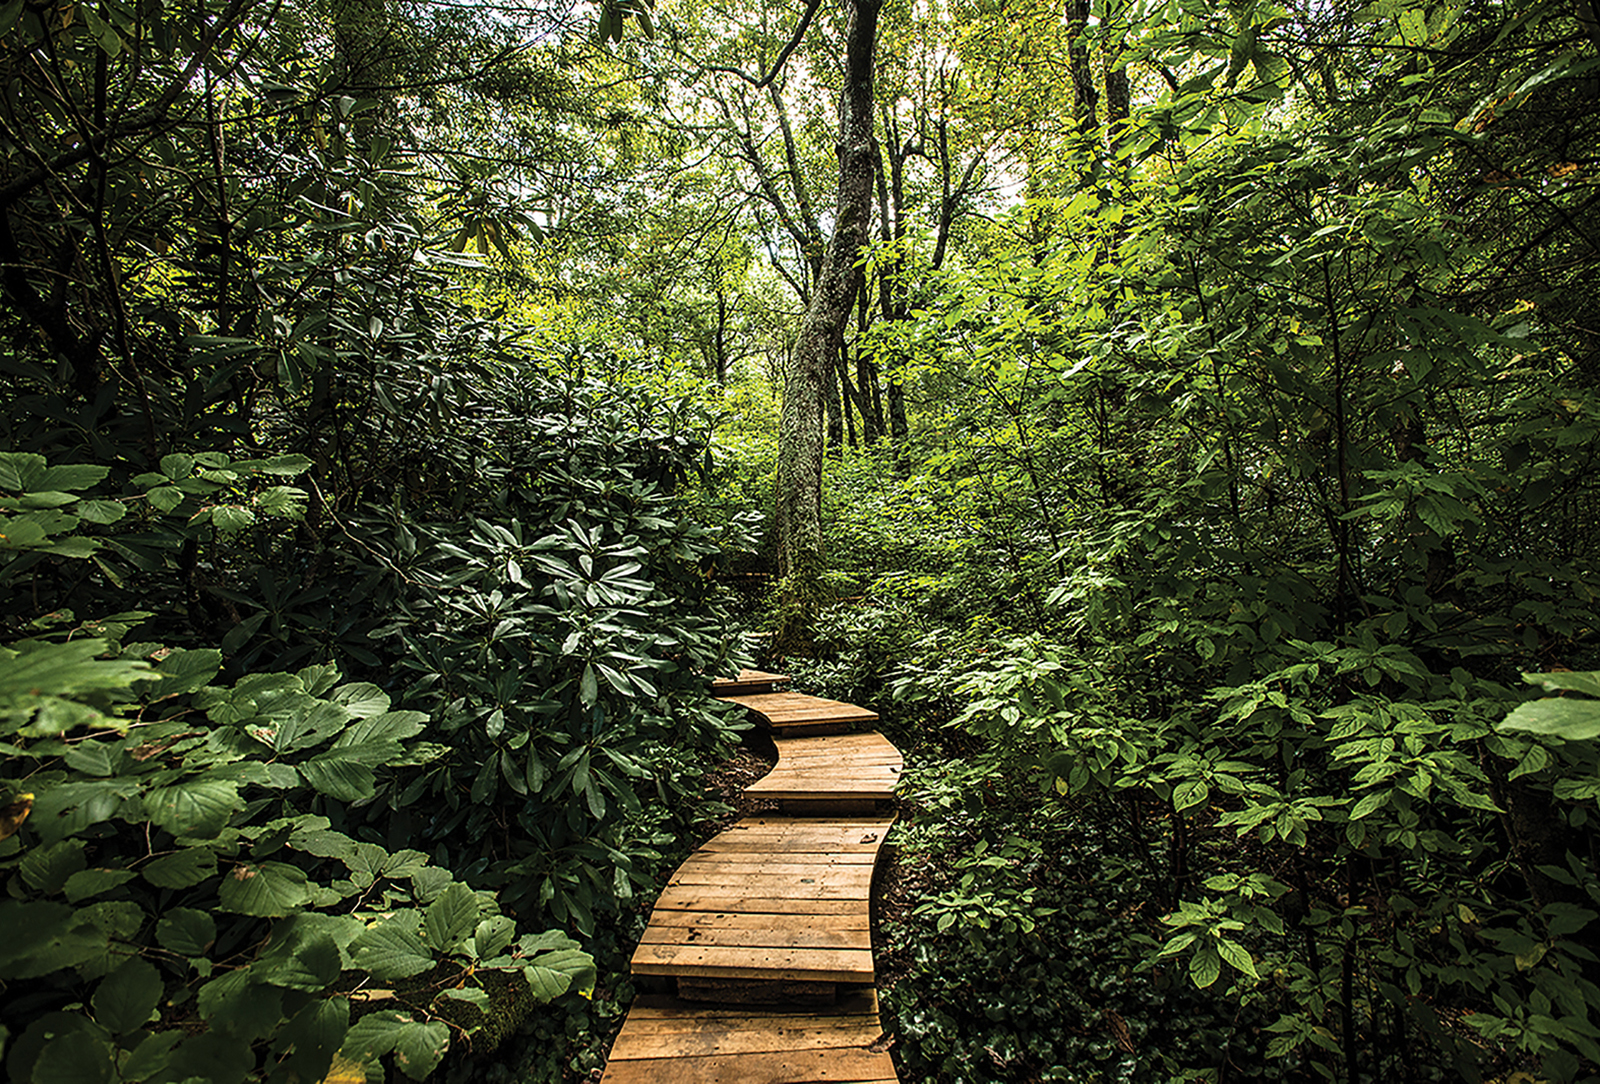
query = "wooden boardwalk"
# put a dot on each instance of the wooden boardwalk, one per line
(765, 932)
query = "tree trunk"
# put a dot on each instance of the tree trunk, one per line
(800, 433)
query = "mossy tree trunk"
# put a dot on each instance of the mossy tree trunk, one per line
(800, 426)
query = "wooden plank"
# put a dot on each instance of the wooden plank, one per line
(805, 865)
(796, 876)
(732, 920)
(721, 1039)
(754, 856)
(857, 1002)
(701, 898)
(749, 682)
(770, 936)
(780, 708)
(788, 1067)
(792, 825)
(737, 962)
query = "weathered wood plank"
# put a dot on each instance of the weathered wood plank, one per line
(744, 962)
(802, 934)
(787, 1067)
(733, 920)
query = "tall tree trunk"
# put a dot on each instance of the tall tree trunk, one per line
(849, 397)
(835, 406)
(800, 435)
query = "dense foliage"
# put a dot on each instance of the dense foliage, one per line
(392, 409)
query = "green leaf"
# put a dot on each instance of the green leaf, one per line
(177, 466)
(88, 883)
(197, 807)
(73, 476)
(315, 1034)
(361, 699)
(187, 867)
(1570, 720)
(391, 950)
(43, 937)
(1204, 967)
(150, 1056)
(303, 959)
(96, 758)
(186, 931)
(419, 1047)
(101, 512)
(234, 1003)
(1237, 957)
(46, 869)
(1571, 680)
(186, 671)
(588, 687)
(493, 935)
(215, 1057)
(451, 917)
(232, 517)
(1369, 802)
(126, 998)
(20, 471)
(339, 776)
(165, 498)
(554, 973)
(269, 890)
(79, 1057)
(1189, 794)
(471, 995)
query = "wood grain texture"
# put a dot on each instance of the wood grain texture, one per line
(774, 914)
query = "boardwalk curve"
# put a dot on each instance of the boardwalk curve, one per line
(765, 932)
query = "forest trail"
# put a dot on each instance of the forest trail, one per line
(766, 930)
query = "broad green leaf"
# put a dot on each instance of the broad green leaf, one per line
(554, 973)
(216, 1057)
(1371, 801)
(186, 931)
(98, 758)
(493, 935)
(1570, 680)
(199, 808)
(268, 890)
(235, 1003)
(46, 868)
(1237, 957)
(419, 1047)
(79, 1057)
(471, 995)
(391, 950)
(361, 699)
(315, 1034)
(186, 671)
(181, 869)
(1189, 794)
(88, 883)
(101, 512)
(451, 917)
(150, 1056)
(73, 476)
(126, 998)
(44, 937)
(1204, 967)
(395, 726)
(340, 777)
(1570, 720)
(177, 466)
(301, 960)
